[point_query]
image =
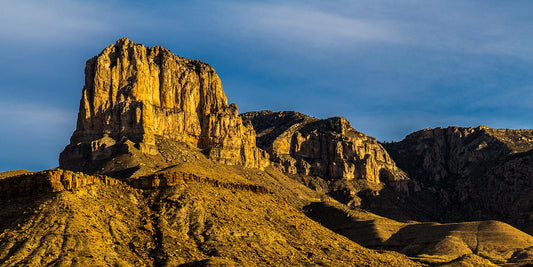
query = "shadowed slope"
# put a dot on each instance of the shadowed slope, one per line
(471, 173)
(491, 242)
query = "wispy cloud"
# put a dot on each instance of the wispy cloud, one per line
(444, 26)
(29, 117)
(316, 27)
(46, 21)
(450, 25)
(63, 22)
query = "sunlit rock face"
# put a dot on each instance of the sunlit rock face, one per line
(328, 148)
(134, 95)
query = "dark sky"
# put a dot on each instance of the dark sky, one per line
(389, 67)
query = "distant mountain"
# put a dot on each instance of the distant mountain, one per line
(472, 173)
(328, 155)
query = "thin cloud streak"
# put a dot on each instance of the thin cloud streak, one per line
(438, 26)
(16, 116)
(44, 21)
(317, 27)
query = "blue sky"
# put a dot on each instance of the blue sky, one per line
(390, 67)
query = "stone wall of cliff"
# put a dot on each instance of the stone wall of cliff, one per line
(134, 95)
(328, 148)
(48, 181)
(472, 173)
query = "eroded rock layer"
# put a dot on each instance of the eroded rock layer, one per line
(134, 95)
(48, 181)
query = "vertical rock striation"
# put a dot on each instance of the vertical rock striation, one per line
(328, 148)
(134, 95)
(329, 155)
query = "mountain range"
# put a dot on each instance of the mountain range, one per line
(162, 171)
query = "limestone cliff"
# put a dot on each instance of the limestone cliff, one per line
(472, 173)
(134, 96)
(330, 150)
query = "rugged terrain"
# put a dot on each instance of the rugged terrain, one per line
(203, 213)
(339, 160)
(225, 218)
(472, 173)
(135, 96)
(161, 171)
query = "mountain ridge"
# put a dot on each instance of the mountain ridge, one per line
(162, 171)
(479, 172)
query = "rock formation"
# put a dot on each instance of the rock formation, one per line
(134, 96)
(331, 150)
(162, 124)
(434, 155)
(48, 181)
(472, 173)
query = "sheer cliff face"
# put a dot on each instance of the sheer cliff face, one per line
(435, 155)
(134, 95)
(329, 148)
(474, 173)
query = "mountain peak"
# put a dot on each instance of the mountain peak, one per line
(123, 41)
(134, 95)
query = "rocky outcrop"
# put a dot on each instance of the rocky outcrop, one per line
(48, 181)
(329, 156)
(328, 148)
(472, 173)
(30, 184)
(177, 178)
(134, 95)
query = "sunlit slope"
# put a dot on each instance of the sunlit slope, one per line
(199, 220)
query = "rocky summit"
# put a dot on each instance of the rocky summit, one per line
(162, 171)
(134, 97)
